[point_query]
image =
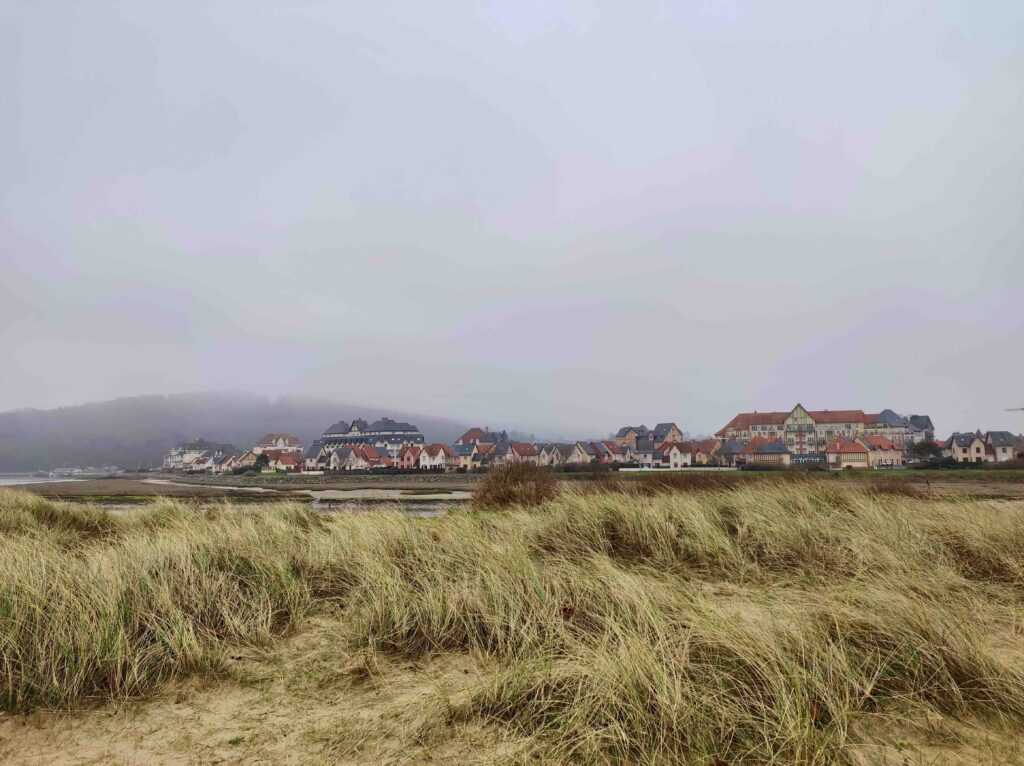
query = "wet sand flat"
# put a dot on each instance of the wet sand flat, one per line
(115, 487)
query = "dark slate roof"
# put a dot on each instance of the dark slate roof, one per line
(661, 430)
(771, 448)
(201, 445)
(924, 422)
(730, 447)
(890, 418)
(314, 448)
(463, 449)
(495, 437)
(343, 452)
(361, 424)
(645, 445)
(1002, 439)
(961, 439)
(341, 427)
(640, 430)
(389, 425)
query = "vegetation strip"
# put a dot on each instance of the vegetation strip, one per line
(777, 621)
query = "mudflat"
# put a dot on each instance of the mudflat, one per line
(121, 488)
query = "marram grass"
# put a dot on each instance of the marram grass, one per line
(761, 623)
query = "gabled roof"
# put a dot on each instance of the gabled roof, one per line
(523, 449)
(463, 450)
(314, 448)
(841, 445)
(753, 444)
(485, 447)
(1001, 438)
(645, 446)
(638, 430)
(889, 418)
(341, 427)
(409, 449)
(730, 447)
(472, 434)
(879, 442)
(924, 422)
(436, 450)
(745, 420)
(661, 430)
(270, 440)
(613, 447)
(960, 439)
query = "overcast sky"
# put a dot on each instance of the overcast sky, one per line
(552, 216)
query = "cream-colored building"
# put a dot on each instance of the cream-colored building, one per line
(845, 453)
(806, 431)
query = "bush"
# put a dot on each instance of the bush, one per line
(515, 484)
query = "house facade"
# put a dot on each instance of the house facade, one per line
(279, 442)
(673, 455)
(176, 457)
(978, 447)
(764, 451)
(437, 457)
(408, 457)
(807, 431)
(847, 453)
(384, 434)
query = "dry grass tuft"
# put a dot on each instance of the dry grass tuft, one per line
(515, 484)
(767, 622)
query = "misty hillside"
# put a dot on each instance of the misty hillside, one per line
(137, 430)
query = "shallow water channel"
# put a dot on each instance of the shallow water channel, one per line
(416, 502)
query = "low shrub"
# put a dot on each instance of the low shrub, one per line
(515, 484)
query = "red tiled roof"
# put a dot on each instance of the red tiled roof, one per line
(837, 416)
(471, 434)
(523, 449)
(756, 442)
(745, 420)
(270, 439)
(484, 447)
(613, 447)
(438, 449)
(844, 445)
(880, 442)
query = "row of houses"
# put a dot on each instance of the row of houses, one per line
(832, 438)
(978, 447)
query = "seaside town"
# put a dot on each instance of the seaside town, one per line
(826, 439)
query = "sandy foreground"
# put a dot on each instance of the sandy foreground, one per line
(304, 701)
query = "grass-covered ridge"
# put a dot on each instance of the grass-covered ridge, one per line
(774, 621)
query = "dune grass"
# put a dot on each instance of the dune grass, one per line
(773, 622)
